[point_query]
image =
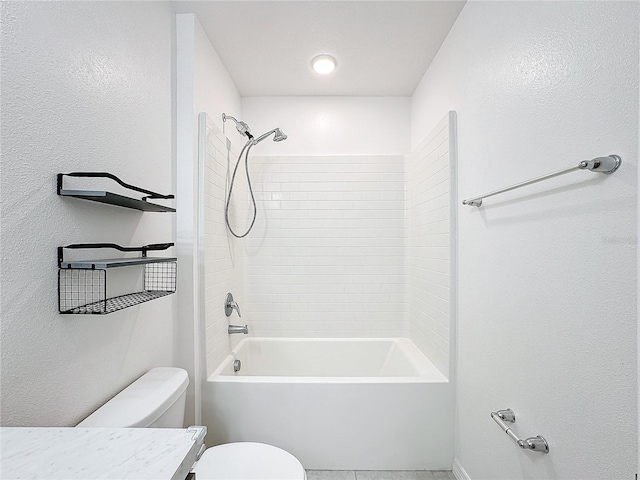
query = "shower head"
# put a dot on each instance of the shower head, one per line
(242, 127)
(278, 137)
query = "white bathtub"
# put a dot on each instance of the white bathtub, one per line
(353, 404)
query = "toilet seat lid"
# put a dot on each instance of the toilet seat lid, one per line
(248, 461)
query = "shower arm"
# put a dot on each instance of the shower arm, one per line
(242, 127)
(226, 117)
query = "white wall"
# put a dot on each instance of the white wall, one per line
(326, 255)
(203, 85)
(85, 87)
(331, 125)
(214, 90)
(547, 276)
(430, 231)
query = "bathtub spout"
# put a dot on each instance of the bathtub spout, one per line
(238, 329)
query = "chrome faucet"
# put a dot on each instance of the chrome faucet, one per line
(230, 305)
(238, 329)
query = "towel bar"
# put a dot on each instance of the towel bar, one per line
(606, 165)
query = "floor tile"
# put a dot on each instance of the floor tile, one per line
(380, 475)
(443, 475)
(386, 475)
(330, 475)
(425, 475)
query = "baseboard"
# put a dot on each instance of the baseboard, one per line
(459, 472)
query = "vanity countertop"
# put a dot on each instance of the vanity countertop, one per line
(98, 453)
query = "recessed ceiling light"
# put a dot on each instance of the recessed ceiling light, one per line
(323, 64)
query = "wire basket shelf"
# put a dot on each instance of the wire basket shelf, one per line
(82, 285)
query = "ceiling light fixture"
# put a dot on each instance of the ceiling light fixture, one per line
(323, 64)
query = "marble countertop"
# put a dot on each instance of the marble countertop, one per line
(98, 453)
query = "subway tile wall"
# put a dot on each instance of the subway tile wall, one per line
(429, 198)
(224, 255)
(326, 257)
(343, 246)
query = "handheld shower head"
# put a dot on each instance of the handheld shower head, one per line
(243, 128)
(278, 137)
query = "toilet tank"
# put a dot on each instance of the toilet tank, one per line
(157, 399)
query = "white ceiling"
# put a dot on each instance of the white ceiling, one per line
(382, 47)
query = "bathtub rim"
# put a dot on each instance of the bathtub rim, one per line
(217, 376)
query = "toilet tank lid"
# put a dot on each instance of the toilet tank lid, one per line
(142, 402)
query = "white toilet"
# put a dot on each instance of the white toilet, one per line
(157, 399)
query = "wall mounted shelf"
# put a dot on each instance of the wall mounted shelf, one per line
(114, 198)
(82, 284)
(114, 262)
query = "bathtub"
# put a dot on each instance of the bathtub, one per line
(339, 404)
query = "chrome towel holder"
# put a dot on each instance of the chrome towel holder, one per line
(536, 444)
(606, 165)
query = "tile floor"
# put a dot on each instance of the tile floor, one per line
(384, 475)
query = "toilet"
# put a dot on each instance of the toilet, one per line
(157, 400)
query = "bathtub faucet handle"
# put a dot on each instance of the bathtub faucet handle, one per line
(230, 305)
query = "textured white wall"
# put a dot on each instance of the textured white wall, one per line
(326, 256)
(547, 276)
(85, 86)
(332, 125)
(430, 195)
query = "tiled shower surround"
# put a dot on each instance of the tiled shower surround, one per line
(343, 246)
(430, 182)
(326, 257)
(224, 255)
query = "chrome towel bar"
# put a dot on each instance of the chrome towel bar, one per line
(606, 165)
(537, 444)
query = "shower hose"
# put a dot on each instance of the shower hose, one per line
(245, 151)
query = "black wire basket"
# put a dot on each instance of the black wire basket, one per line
(82, 285)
